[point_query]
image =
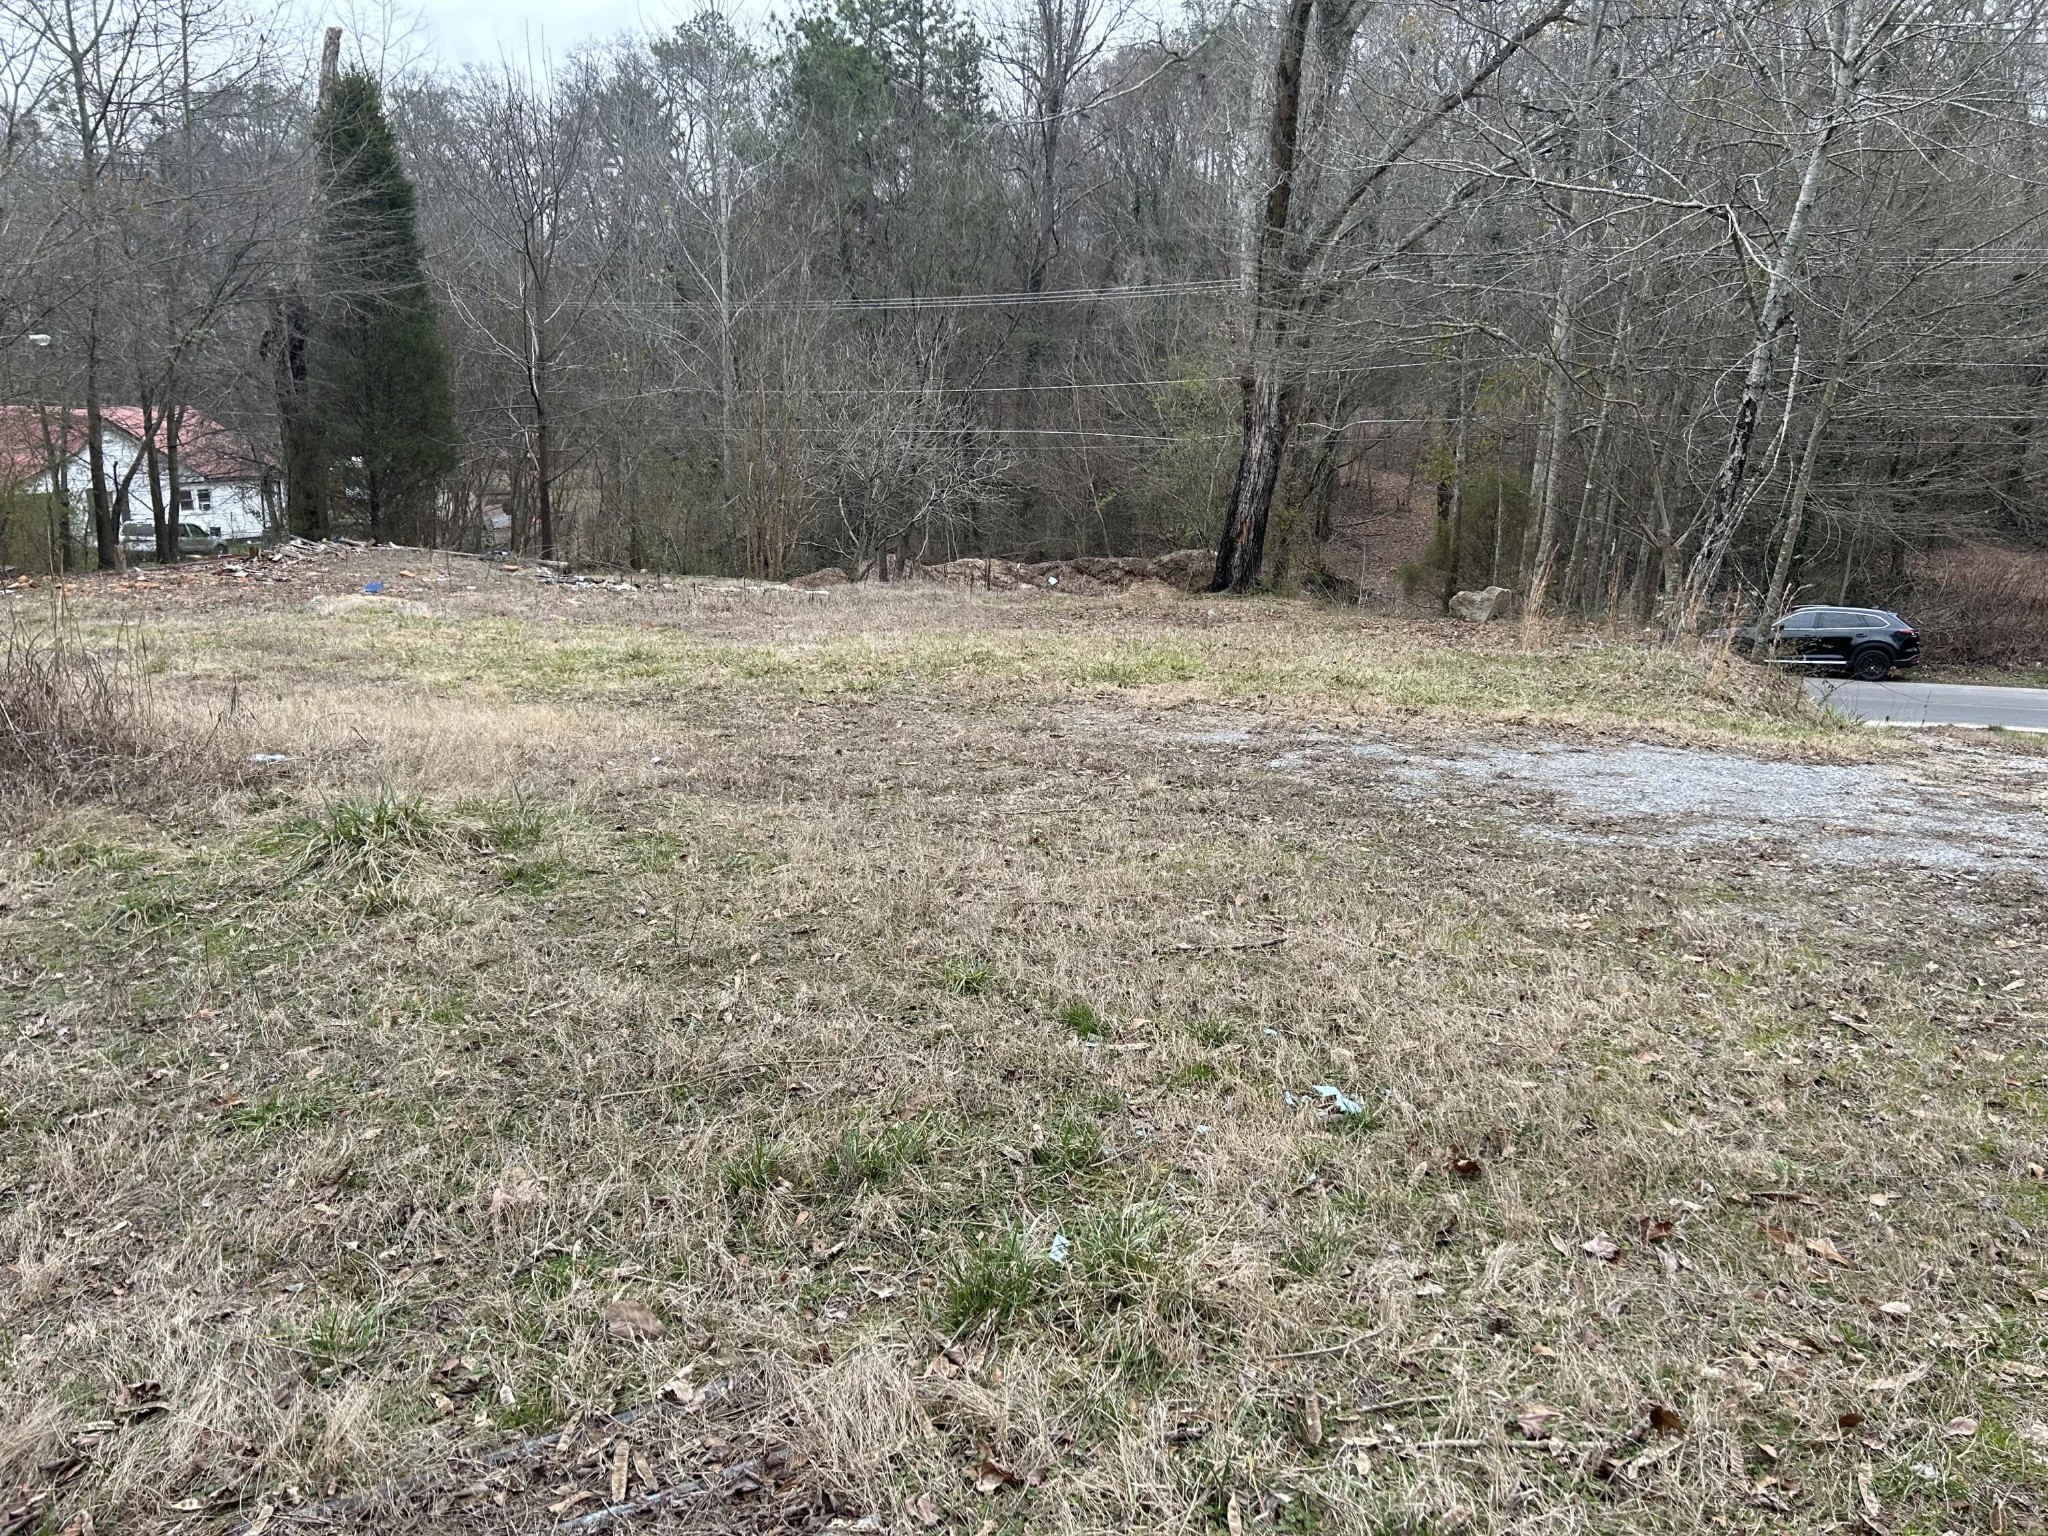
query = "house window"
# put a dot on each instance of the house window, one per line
(195, 500)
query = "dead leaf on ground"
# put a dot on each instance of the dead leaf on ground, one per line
(1871, 1508)
(519, 1193)
(924, 1509)
(1658, 1231)
(1961, 1427)
(1848, 1420)
(1467, 1168)
(1665, 1420)
(1311, 1420)
(1821, 1248)
(1233, 1516)
(138, 1400)
(1533, 1420)
(992, 1476)
(1601, 1247)
(629, 1319)
(1903, 1379)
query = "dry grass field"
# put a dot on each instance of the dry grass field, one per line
(998, 1063)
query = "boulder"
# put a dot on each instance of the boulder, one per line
(1480, 607)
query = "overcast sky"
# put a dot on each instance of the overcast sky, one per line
(483, 31)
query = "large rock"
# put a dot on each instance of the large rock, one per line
(1480, 607)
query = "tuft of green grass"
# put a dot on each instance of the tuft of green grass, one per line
(280, 1112)
(1212, 1031)
(965, 977)
(1083, 1020)
(755, 1169)
(993, 1281)
(870, 1155)
(1117, 1254)
(339, 1337)
(1073, 1145)
(369, 839)
(513, 824)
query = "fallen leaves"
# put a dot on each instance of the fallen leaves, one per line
(1902, 1380)
(1665, 1420)
(992, 1477)
(632, 1321)
(1821, 1248)
(924, 1509)
(1533, 1420)
(1601, 1247)
(135, 1401)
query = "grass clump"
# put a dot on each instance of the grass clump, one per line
(871, 1156)
(992, 1282)
(1083, 1020)
(755, 1169)
(964, 976)
(1073, 1145)
(369, 839)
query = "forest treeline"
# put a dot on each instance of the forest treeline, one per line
(1662, 308)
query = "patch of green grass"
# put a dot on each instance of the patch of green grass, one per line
(280, 1112)
(1117, 1254)
(1073, 1145)
(1134, 663)
(1212, 1031)
(338, 1338)
(539, 875)
(514, 823)
(966, 977)
(156, 904)
(992, 1281)
(91, 853)
(755, 1168)
(1083, 1020)
(871, 1154)
(368, 839)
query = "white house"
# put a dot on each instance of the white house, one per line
(225, 485)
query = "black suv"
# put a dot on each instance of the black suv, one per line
(1865, 642)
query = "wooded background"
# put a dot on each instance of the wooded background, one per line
(1651, 311)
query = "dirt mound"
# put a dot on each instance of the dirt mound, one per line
(1185, 570)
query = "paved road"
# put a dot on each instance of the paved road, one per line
(1899, 703)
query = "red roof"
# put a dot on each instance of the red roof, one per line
(206, 449)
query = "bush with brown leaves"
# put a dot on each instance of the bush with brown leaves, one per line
(1983, 605)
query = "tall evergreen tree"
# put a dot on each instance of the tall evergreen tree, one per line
(378, 370)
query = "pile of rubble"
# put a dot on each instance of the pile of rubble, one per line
(1185, 570)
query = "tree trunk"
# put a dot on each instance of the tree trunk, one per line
(174, 424)
(1268, 420)
(106, 535)
(1454, 518)
(159, 513)
(1268, 397)
(1725, 510)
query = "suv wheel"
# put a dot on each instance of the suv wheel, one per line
(1872, 664)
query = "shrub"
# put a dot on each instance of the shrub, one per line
(75, 724)
(1983, 605)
